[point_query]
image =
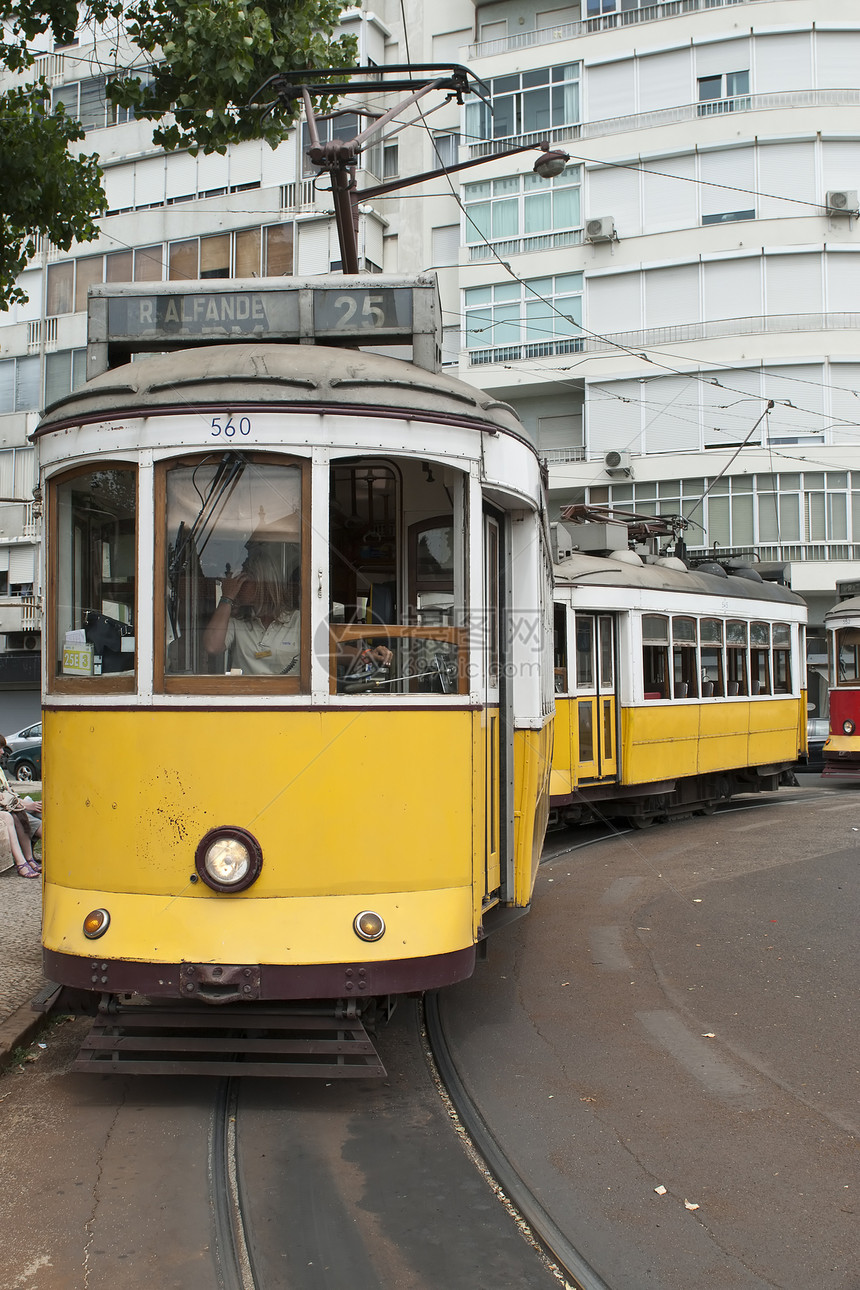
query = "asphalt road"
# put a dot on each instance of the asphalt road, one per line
(680, 1011)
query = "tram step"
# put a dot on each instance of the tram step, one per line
(270, 1042)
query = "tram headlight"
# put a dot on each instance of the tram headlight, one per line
(96, 924)
(368, 925)
(229, 859)
(848, 727)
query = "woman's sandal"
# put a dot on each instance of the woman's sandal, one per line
(27, 870)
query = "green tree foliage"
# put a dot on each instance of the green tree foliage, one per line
(205, 60)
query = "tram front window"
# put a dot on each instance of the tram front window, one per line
(234, 571)
(397, 563)
(848, 655)
(94, 562)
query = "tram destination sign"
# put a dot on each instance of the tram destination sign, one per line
(202, 314)
(129, 318)
(213, 315)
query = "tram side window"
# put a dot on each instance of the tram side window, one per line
(397, 562)
(848, 655)
(736, 657)
(234, 570)
(560, 648)
(95, 572)
(711, 635)
(685, 680)
(781, 658)
(759, 658)
(655, 656)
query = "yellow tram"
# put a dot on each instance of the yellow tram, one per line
(676, 687)
(298, 680)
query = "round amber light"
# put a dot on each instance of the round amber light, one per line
(368, 925)
(848, 727)
(96, 924)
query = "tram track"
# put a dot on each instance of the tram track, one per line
(578, 1272)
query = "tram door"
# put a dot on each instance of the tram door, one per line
(493, 708)
(594, 733)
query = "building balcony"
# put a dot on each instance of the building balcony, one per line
(591, 26)
(673, 116)
(20, 614)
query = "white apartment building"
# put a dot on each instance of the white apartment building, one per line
(698, 258)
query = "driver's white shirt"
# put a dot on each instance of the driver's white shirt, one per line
(269, 651)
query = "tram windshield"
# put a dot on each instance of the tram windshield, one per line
(234, 569)
(847, 655)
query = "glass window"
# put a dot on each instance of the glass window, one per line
(147, 264)
(381, 643)
(781, 658)
(119, 266)
(685, 681)
(279, 250)
(711, 633)
(736, 658)
(61, 288)
(759, 658)
(584, 653)
(527, 102)
(182, 259)
(655, 656)
(94, 562)
(215, 256)
(248, 245)
(560, 648)
(88, 272)
(540, 316)
(848, 654)
(234, 571)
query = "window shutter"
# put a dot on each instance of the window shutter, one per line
(793, 284)
(734, 168)
(672, 295)
(445, 245)
(313, 256)
(733, 288)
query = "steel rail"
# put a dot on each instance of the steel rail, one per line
(232, 1251)
(581, 1275)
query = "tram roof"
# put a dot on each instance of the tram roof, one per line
(848, 609)
(321, 378)
(628, 570)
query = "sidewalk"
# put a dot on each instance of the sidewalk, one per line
(20, 957)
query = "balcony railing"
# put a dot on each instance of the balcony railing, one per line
(773, 324)
(765, 324)
(515, 353)
(591, 26)
(520, 245)
(675, 115)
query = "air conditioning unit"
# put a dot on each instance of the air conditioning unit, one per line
(600, 230)
(842, 201)
(617, 464)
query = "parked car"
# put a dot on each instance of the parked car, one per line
(817, 730)
(26, 764)
(29, 737)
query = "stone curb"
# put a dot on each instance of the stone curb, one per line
(18, 1031)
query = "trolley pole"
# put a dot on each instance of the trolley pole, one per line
(339, 157)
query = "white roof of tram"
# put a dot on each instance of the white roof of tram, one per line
(626, 569)
(272, 375)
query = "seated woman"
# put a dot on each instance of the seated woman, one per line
(256, 619)
(15, 842)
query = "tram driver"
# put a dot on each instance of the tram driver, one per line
(257, 619)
